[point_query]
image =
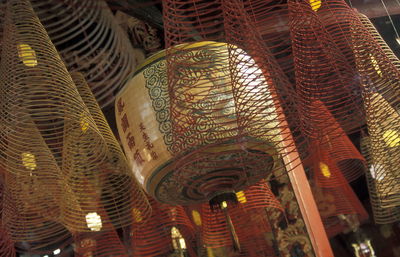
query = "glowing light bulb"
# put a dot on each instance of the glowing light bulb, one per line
(392, 138)
(27, 55)
(56, 251)
(137, 215)
(325, 170)
(196, 218)
(177, 239)
(224, 205)
(29, 161)
(241, 197)
(315, 4)
(93, 221)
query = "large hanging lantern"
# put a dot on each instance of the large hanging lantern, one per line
(90, 41)
(193, 144)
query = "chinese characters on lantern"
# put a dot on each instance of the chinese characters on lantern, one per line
(131, 140)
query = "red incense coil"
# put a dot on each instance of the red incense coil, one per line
(334, 150)
(249, 222)
(322, 73)
(99, 244)
(154, 238)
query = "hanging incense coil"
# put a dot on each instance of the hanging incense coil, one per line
(163, 232)
(100, 243)
(6, 244)
(121, 195)
(381, 213)
(381, 88)
(245, 227)
(335, 199)
(32, 186)
(335, 159)
(90, 41)
(322, 73)
(46, 125)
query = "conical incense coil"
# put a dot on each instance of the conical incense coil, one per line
(90, 41)
(384, 130)
(219, 149)
(6, 244)
(37, 91)
(168, 230)
(36, 84)
(33, 187)
(379, 76)
(100, 243)
(322, 73)
(243, 226)
(382, 214)
(121, 196)
(336, 202)
(334, 147)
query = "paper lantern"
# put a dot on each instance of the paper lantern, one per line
(189, 151)
(167, 231)
(90, 41)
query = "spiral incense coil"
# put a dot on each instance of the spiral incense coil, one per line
(337, 201)
(381, 88)
(242, 25)
(163, 233)
(119, 187)
(379, 40)
(46, 125)
(33, 187)
(243, 226)
(6, 244)
(90, 41)
(322, 73)
(381, 213)
(335, 159)
(100, 244)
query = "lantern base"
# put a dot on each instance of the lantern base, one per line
(212, 170)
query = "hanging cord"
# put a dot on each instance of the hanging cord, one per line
(390, 18)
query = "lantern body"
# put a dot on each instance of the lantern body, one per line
(187, 152)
